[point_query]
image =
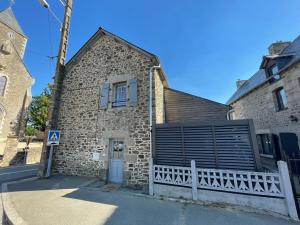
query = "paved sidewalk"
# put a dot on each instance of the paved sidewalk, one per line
(61, 201)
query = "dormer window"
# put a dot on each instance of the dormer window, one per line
(273, 72)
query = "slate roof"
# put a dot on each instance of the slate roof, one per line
(8, 18)
(260, 77)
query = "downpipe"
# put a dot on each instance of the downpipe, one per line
(150, 103)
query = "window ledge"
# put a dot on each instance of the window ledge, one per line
(267, 156)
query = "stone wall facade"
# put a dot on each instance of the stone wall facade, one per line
(259, 105)
(17, 94)
(87, 129)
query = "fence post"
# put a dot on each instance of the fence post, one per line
(287, 189)
(194, 180)
(151, 177)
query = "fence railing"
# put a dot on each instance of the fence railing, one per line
(173, 175)
(275, 185)
(255, 183)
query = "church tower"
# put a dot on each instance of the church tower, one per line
(15, 84)
(11, 34)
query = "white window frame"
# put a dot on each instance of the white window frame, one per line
(119, 94)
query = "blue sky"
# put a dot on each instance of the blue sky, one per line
(204, 46)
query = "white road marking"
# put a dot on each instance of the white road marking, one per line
(22, 171)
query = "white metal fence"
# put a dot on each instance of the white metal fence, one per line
(247, 183)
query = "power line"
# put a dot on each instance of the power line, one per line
(50, 42)
(51, 57)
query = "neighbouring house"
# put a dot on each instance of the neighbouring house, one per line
(15, 85)
(104, 112)
(271, 97)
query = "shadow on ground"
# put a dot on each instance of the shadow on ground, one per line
(80, 200)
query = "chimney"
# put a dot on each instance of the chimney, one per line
(277, 47)
(239, 83)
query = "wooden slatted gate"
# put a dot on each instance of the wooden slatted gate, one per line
(223, 145)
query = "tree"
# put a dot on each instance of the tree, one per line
(38, 110)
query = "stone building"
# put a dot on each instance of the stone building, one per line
(15, 84)
(104, 112)
(271, 97)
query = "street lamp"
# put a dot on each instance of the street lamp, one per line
(57, 85)
(44, 3)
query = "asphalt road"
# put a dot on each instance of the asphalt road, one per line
(73, 200)
(12, 173)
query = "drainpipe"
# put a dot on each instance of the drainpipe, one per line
(228, 114)
(150, 102)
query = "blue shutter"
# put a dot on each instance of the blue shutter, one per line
(132, 92)
(104, 96)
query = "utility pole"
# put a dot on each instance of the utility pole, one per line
(58, 79)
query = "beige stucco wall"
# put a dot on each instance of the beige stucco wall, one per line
(34, 152)
(259, 105)
(17, 92)
(15, 152)
(87, 129)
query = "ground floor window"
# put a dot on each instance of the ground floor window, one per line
(117, 149)
(265, 146)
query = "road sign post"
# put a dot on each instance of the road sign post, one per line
(50, 161)
(53, 139)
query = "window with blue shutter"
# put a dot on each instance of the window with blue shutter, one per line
(104, 96)
(132, 92)
(120, 90)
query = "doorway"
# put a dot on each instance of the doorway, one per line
(116, 153)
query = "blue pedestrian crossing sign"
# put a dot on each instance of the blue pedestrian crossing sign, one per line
(53, 137)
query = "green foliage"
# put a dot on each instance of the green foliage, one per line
(30, 131)
(38, 110)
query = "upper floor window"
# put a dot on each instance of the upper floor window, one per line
(3, 81)
(120, 90)
(273, 71)
(281, 99)
(121, 94)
